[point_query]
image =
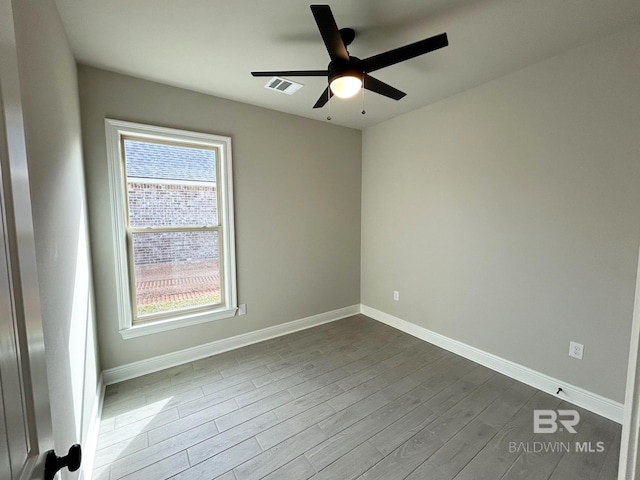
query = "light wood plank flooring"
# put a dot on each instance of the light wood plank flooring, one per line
(352, 399)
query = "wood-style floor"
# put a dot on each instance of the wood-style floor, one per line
(352, 399)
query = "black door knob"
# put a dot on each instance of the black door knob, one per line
(54, 463)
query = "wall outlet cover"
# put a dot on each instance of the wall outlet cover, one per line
(576, 350)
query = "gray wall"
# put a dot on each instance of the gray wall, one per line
(54, 150)
(508, 217)
(297, 208)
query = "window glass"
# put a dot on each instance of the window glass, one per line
(175, 271)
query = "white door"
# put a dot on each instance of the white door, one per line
(629, 467)
(10, 386)
(15, 447)
(25, 416)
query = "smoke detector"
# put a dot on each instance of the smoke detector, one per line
(283, 85)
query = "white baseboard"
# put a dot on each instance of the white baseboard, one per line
(583, 398)
(155, 364)
(90, 444)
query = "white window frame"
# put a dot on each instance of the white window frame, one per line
(115, 130)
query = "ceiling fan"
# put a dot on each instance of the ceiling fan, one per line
(347, 74)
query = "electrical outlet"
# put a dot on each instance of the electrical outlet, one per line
(396, 295)
(242, 309)
(576, 350)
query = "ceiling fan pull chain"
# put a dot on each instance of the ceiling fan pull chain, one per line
(329, 102)
(363, 110)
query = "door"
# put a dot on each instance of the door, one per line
(15, 420)
(629, 466)
(25, 417)
(10, 389)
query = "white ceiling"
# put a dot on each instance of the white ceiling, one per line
(211, 45)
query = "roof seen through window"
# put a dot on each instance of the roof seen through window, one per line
(174, 162)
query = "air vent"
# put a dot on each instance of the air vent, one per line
(283, 85)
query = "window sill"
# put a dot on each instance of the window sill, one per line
(176, 322)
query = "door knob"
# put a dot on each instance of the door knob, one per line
(54, 463)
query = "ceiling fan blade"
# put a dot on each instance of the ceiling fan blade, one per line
(401, 54)
(324, 98)
(292, 73)
(330, 33)
(382, 88)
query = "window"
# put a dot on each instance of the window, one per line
(172, 213)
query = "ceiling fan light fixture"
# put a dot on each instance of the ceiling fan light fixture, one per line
(346, 86)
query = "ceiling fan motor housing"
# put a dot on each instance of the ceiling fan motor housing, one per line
(339, 69)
